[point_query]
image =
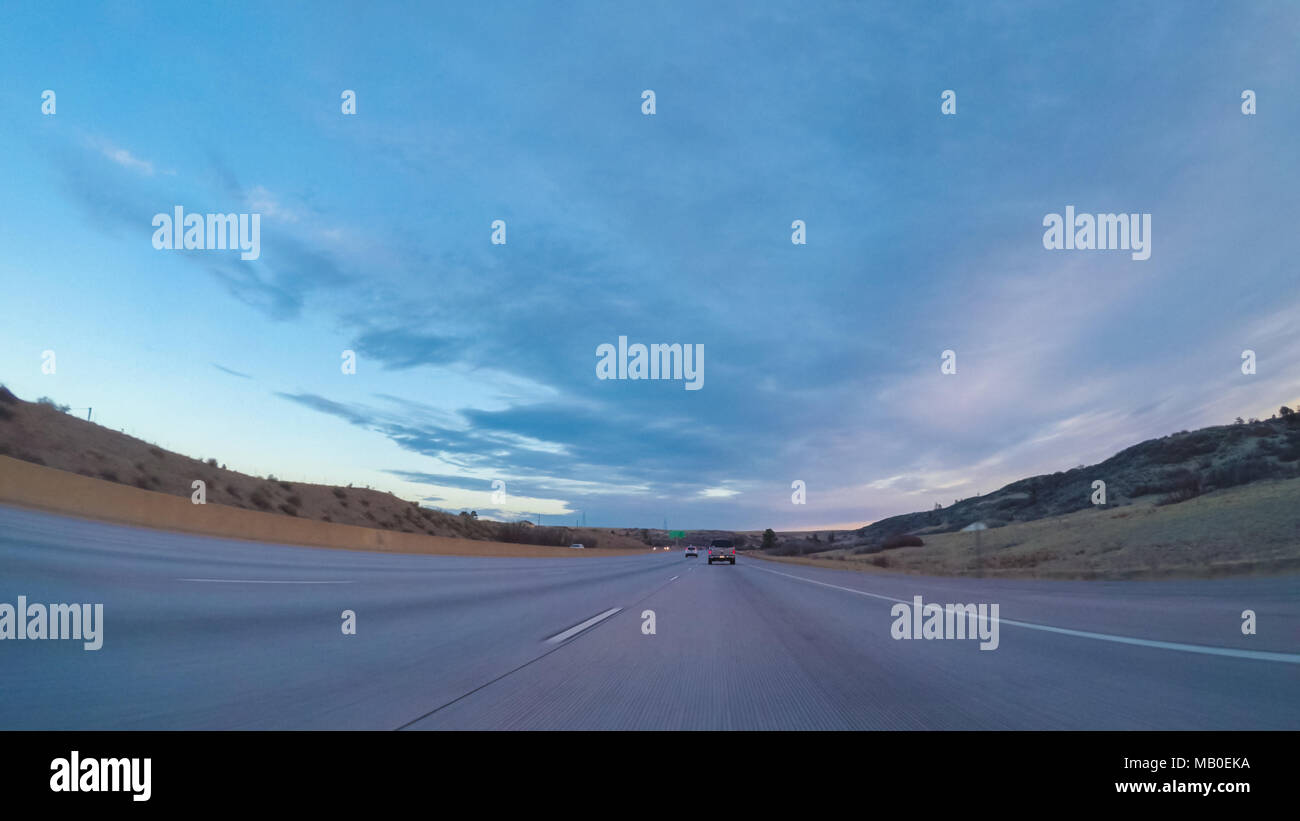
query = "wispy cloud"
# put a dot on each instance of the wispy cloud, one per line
(224, 369)
(477, 360)
(125, 158)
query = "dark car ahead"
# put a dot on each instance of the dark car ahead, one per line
(722, 550)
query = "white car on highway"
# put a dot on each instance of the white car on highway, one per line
(692, 550)
(577, 547)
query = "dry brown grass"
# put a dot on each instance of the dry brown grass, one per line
(42, 488)
(42, 435)
(1253, 528)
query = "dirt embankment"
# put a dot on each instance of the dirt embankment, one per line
(40, 433)
(44, 488)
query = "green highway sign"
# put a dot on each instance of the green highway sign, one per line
(677, 534)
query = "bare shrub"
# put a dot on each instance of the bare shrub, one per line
(902, 540)
(1188, 488)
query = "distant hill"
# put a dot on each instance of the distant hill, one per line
(657, 537)
(1251, 529)
(42, 433)
(1173, 469)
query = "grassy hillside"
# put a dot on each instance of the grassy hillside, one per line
(1223, 499)
(43, 434)
(1253, 528)
(1168, 470)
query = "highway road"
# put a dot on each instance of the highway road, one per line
(204, 633)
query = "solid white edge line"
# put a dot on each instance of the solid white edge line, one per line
(578, 628)
(1255, 655)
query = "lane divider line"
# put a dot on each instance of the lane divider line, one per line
(1254, 655)
(578, 628)
(557, 647)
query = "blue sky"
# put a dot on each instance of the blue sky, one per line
(822, 361)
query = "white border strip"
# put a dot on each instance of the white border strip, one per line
(1255, 655)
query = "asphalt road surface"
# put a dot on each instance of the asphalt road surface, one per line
(204, 633)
